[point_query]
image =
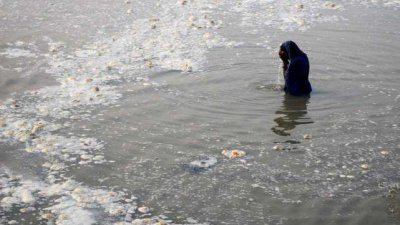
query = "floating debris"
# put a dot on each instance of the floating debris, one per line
(207, 36)
(153, 22)
(24, 210)
(307, 136)
(144, 209)
(98, 158)
(148, 221)
(149, 64)
(37, 128)
(47, 216)
(95, 89)
(203, 163)
(384, 152)
(299, 6)
(365, 166)
(191, 18)
(186, 68)
(117, 210)
(14, 105)
(331, 5)
(154, 19)
(3, 122)
(182, 2)
(86, 157)
(88, 80)
(233, 153)
(278, 147)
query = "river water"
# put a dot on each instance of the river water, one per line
(117, 113)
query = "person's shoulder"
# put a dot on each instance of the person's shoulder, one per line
(300, 59)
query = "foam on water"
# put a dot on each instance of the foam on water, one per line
(16, 53)
(69, 200)
(89, 76)
(285, 15)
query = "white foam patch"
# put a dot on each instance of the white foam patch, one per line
(24, 129)
(17, 195)
(73, 216)
(294, 15)
(386, 3)
(297, 14)
(17, 52)
(177, 40)
(284, 15)
(73, 203)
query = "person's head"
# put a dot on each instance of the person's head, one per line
(283, 54)
(289, 50)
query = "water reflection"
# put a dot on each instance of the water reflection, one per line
(293, 112)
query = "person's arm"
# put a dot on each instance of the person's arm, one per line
(285, 61)
(285, 64)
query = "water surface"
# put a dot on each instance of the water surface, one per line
(180, 82)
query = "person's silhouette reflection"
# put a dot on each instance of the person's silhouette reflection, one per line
(292, 113)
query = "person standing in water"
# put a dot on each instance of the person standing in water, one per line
(295, 69)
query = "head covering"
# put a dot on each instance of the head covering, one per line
(291, 49)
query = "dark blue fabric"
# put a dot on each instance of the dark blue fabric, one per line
(296, 76)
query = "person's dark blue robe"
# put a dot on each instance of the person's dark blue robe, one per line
(296, 76)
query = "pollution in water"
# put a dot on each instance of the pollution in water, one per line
(172, 112)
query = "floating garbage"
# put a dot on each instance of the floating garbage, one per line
(186, 67)
(117, 210)
(278, 147)
(149, 64)
(154, 19)
(182, 2)
(299, 6)
(202, 163)
(144, 209)
(24, 210)
(86, 157)
(365, 166)
(307, 136)
(153, 22)
(98, 158)
(384, 152)
(88, 80)
(47, 216)
(148, 221)
(2, 122)
(233, 153)
(331, 5)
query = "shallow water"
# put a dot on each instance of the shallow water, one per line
(179, 82)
